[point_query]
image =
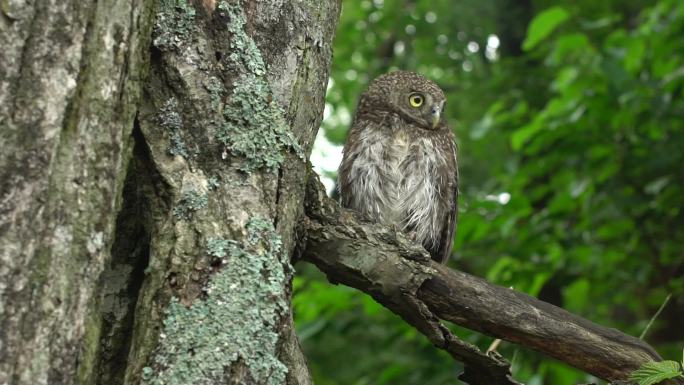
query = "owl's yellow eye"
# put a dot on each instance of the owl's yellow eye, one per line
(416, 100)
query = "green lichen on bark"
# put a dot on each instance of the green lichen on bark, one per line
(190, 202)
(220, 248)
(254, 126)
(174, 24)
(216, 91)
(169, 118)
(214, 183)
(236, 321)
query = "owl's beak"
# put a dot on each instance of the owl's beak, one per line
(436, 112)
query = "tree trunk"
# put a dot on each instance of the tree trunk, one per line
(70, 79)
(187, 279)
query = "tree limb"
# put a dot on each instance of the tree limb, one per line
(401, 276)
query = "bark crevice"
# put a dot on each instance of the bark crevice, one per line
(122, 279)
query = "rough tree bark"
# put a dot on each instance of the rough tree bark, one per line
(230, 112)
(70, 79)
(154, 171)
(99, 290)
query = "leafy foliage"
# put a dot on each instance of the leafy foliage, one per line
(654, 372)
(570, 121)
(543, 24)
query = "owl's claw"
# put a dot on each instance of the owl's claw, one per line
(396, 231)
(410, 235)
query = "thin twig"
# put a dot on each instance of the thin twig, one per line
(495, 345)
(667, 299)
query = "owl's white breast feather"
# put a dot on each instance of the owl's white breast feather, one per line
(393, 178)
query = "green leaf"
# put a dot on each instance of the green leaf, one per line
(654, 372)
(576, 295)
(543, 24)
(568, 45)
(636, 49)
(525, 133)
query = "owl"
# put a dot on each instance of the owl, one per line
(399, 163)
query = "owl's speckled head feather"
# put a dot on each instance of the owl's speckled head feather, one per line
(408, 94)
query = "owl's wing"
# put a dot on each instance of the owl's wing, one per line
(344, 175)
(446, 240)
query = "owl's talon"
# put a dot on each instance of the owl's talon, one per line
(396, 231)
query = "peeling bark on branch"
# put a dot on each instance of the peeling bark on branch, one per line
(402, 277)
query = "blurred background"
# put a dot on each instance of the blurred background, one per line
(570, 122)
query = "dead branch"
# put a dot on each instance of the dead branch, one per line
(401, 276)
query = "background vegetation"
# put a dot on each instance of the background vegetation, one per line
(570, 122)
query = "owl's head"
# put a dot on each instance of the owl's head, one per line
(409, 94)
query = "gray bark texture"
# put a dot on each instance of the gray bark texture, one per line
(153, 166)
(70, 79)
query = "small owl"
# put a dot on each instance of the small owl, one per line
(399, 165)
